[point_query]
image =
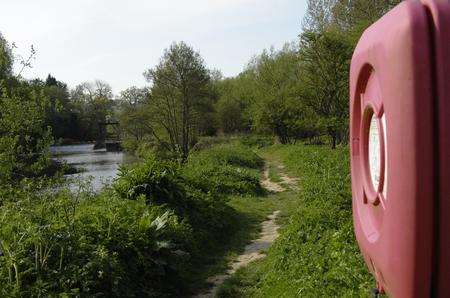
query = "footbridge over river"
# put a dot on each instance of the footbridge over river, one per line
(111, 139)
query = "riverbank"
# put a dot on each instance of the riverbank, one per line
(99, 167)
(60, 167)
(156, 231)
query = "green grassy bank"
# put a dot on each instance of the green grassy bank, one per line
(316, 254)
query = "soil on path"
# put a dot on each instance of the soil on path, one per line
(257, 248)
(268, 184)
(292, 183)
(254, 251)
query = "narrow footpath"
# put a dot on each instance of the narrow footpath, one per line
(269, 233)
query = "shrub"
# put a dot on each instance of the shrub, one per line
(57, 244)
(205, 143)
(162, 183)
(158, 181)
(224, 180)
(257, 141)
(149, 235)
(234, 155)
(225, 169)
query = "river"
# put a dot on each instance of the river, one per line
(98, 166)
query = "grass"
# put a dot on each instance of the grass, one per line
(260, 207)
(316, 254)
(225, 170)
(274, 173)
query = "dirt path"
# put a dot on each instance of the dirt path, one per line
(272, 186)
(269, 184)
(254, 251)
(257, 248)
(292, 182)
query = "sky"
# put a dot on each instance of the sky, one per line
(116, 41)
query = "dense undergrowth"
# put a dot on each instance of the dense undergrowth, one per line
(149, 234)
(225, 170)
(316, 254)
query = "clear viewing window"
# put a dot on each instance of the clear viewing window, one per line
(383, 122)
(374, 152)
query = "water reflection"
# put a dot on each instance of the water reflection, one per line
(98, 165)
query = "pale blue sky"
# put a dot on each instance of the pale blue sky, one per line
(116, 41)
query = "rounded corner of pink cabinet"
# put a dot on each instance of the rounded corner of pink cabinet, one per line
(439, 18)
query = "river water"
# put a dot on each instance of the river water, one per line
(97, 166)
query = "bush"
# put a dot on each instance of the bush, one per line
(205, 143)
(235, 155)
(161, 183)
(60, 244)
(149, 235)
(257, 141)
(223, 180)
(155, 180)
(225, 169)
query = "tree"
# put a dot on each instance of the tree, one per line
(6, 59)
(326, 63)
(279, 106)
(134, 96)
(93, 101)
(320, 15)
(134, 117)
(60, 115)
(345, 15)
(331, 31)
(233, 107)
(181, 88)
(24, 136)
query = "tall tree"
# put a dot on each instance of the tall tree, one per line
(345, 15)
(181, 87)
(331, 31)
(233, 106)
(134, 117)
(279, 107)
(6, 58)
(326, 63)
(24, 136)
(134, 96)
(94, 102)
(60, 116)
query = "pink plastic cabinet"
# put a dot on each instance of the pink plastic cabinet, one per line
(393, 150)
